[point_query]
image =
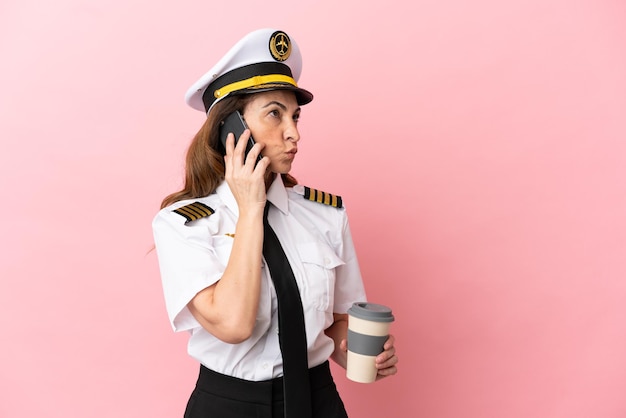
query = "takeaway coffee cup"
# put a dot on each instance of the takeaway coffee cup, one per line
(368, 330)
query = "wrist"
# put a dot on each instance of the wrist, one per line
(251, 212)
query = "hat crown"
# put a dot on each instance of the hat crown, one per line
(253, 52)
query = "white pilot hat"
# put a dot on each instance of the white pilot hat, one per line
(263, 60)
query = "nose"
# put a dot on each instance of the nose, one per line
(291, 132)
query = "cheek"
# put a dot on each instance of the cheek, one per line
(264, 141)
(258, 136)
(269, 139)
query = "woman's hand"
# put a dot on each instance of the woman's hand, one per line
(385, 361)
(246, 181)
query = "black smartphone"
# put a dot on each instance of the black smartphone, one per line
(234, 123)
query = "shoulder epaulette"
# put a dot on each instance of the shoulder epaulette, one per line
(194, 211)
(322, 197)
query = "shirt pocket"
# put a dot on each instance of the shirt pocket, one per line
(319, 262)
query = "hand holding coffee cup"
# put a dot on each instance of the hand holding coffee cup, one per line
(368, 330)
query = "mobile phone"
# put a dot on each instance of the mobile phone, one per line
(234, 123)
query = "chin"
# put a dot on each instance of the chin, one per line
(281, 169)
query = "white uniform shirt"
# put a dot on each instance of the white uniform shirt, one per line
(317, 241)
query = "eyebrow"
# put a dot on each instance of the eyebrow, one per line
(279, 104)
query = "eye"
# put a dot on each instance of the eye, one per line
(274, 113)
(296, 117)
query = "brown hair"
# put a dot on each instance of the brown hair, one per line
(204, 163)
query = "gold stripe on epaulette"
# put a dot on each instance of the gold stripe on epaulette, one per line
(194, 211)
(322, 197)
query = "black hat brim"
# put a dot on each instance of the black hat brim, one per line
(302, 96)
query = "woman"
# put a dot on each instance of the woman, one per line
(263, 349)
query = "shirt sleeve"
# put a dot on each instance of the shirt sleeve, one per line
(349, 284)
(187, 261)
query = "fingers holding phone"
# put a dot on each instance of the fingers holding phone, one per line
(245, 150)
(235, 124)
(245, 169)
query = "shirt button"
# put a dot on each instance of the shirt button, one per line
(326, 261)
(277, 330)
(265, 365)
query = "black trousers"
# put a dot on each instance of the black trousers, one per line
(220, 396)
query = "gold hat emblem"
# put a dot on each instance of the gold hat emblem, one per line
(280, 46)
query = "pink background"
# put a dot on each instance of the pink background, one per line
(480, 147)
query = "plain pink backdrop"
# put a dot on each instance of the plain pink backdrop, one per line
(479, 147)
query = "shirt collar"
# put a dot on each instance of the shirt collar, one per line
(276, 194)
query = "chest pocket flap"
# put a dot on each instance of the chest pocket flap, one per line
(319, 262)
(319, 254)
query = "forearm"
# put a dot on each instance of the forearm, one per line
(338, 331)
